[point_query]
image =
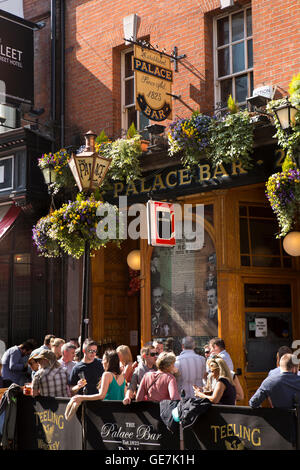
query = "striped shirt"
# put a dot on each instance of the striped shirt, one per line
(51, 382)
(191, 371)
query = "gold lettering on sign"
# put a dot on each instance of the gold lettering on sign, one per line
(168, 183)
(280, 153)
(131, 188)
(143, 189)
(236, 166)
(50, 422)
(153, 83)
(241, 432)
(204, 172)
(118, 188)
(184, 177)
(220, 170)
(158, 182)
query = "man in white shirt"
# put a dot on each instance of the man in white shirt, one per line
(217, 346)
(68, 353)
(191, 368)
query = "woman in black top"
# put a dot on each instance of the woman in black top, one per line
(224, 392)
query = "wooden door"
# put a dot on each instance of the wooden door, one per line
(115, 314)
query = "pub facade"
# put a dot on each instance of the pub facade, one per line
(235, 281)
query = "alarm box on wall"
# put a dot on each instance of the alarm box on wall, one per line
(161, 223)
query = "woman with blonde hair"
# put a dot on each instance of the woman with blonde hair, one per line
(127, 365)
(224, 391)
(161, 384)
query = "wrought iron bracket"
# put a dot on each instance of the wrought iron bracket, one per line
(146, 45)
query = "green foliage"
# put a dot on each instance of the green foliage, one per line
(289, 142)
(131, 131)
(125, 153)
(232, 106)
(101, 138)
(283, 193)
(288, 164)
(294, 90)
(67, 229)
(58, 161)
(224, 140)
(231, 140)
(190, 138)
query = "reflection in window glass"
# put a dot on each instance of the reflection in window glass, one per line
(226, 89)
(223, 31)
(263, 240)
(250, 53)
(249, 22)
(237, 26)
(129, 92)
(260, 242)
(241, 88)
(223, 62)
(238, 57)
(132, 117)
(128, 65)
(244, 241)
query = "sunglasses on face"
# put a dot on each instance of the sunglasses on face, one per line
(206, 352)
(152, 354)
(92, 351)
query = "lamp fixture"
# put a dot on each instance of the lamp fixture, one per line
(286, 115)
(291, 243)
(49, 175)
(134, 260)
(89, 167)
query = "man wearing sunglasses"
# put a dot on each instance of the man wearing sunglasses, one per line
(86, 374)
(149, 355)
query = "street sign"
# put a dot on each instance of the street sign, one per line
(161, 223)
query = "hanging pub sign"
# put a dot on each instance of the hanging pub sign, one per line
(153, 83)
(161, 223)
(16, 59)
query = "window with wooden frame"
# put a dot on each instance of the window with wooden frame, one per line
(259, 246)
(233, 57)
(129, 113)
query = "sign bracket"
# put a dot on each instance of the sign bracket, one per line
(146, 45)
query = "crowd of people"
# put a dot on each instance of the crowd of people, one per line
(62, 369)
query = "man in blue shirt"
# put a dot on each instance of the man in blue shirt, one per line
(14, 364)
(281, 389)
(281, 351)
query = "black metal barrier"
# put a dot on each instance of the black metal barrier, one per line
(243, 428)
(41, 424)
(109, 425)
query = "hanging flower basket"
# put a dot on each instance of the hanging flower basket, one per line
(283, 193)
(74, 224)
(225, 140)
(190, 137)
(231, 139)
(46, 246)
(58, 162)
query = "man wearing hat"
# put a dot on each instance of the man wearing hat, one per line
(51, 380)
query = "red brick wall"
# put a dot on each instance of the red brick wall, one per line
(276, 39)
(94, 39)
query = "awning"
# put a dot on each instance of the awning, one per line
(8, 214)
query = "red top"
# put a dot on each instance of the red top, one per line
(164, 388)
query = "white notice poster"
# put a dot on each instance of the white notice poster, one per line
(261, 327)
(2, 174)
